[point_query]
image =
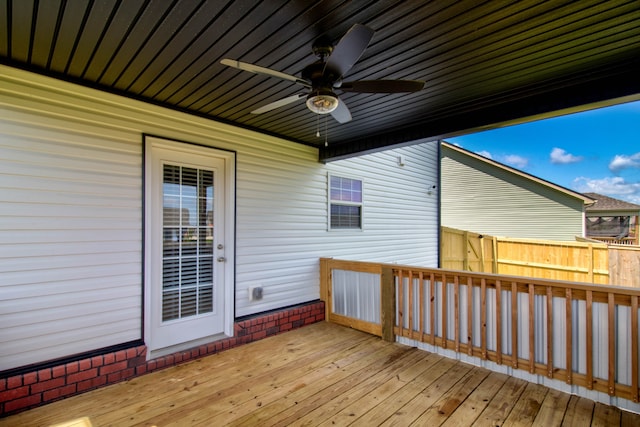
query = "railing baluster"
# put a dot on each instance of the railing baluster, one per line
(612, 343)
(498, 322)
(569, 334)
(444, 311)
(589, 323)
(514, 325)
(421, 304)
(483, 317)
(549, 332)
(634, 348)
(470, 316)
(432, 306)
(401, 302)
(410, 305)
(532, 329)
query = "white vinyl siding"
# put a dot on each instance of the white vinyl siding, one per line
(485, 199)
(71, 214)
(69, 239)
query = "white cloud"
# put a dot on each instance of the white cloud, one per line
(516, 161)
(621, 161)
(614, 186)
(558, 155)
(485, 153)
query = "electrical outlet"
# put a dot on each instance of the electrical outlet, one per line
(255, 293)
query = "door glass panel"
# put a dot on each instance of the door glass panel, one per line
(187, 252)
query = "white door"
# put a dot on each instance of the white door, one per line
(188, 245)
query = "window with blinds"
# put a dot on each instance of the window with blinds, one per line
(187, 255)
(345, 200)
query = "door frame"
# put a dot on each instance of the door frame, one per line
(229, 158)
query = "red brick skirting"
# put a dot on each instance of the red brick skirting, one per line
(31, 389)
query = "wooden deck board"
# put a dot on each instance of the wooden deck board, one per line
(501, 403)
(450, 401)
(374, 379)
(553, 409)
(428, 397)
(579, 412)
(395, 402)
(325, 374)
(358, 408)
(528, 405)
(471, 408)
(604, 415)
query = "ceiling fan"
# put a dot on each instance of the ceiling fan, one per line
(324, 76)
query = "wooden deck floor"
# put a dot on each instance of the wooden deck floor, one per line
(326, 375)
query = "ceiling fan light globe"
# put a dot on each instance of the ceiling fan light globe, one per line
(322, 103)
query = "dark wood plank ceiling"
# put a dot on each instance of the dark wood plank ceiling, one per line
(484, 63)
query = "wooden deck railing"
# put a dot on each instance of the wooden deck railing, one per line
(584, 335)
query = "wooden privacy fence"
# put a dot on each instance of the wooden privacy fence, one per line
(624, 265)
(545, 259)
(584, 335)
(464, 250)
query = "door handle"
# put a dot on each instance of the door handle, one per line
(221, 259)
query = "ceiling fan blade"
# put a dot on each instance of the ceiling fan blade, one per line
(342, 113)
(349, 49)
(382, 86)
(279, 103)
(244, 66)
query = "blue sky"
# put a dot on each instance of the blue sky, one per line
(595, 151)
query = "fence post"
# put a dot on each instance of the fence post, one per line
(465, 255)
(495, 255)
(482, 256)
(387, 304)
(590, 266)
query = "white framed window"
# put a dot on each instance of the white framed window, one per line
(345, 203)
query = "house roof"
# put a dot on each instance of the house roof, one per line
(584, 197)
(485, 64)
(604, 204)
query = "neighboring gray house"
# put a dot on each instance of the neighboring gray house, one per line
(484, 196)
(613, 220)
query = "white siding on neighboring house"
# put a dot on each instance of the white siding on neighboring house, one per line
(71, 214)
(482, 198)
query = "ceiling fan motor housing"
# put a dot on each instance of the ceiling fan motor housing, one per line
(320, 75)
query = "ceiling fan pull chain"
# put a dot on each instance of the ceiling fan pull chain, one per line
(326, 142)
(317, 125)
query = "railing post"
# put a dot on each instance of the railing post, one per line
(325, 286)
(388, 304)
